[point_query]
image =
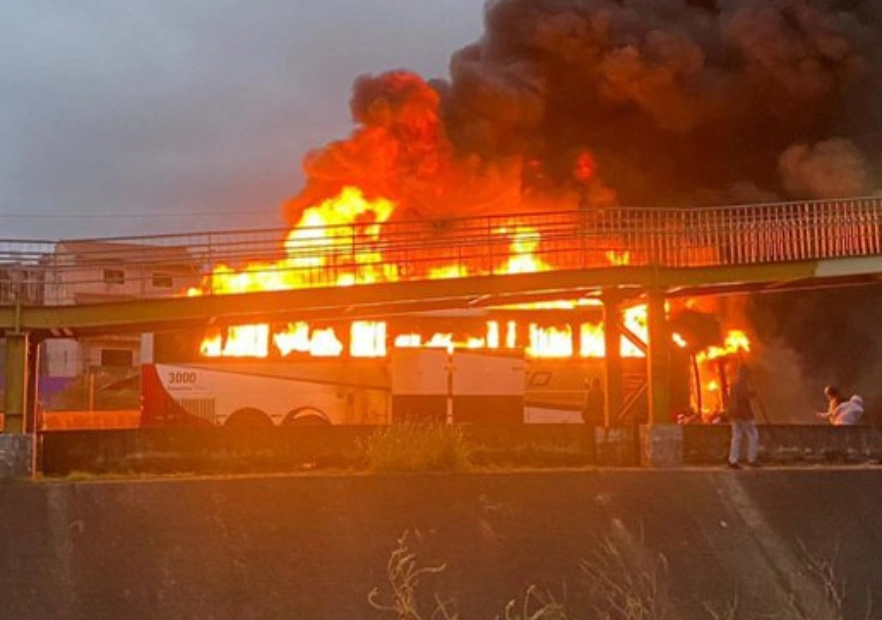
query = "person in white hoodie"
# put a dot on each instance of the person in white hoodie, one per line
(844, 412)
(849, 413)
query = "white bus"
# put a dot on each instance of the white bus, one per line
(429, 384)
(498, 385)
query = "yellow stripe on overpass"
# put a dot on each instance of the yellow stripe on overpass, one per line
(386, 299)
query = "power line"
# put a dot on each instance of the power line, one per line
(125, 215)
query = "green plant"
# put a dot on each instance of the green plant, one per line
(409, 446)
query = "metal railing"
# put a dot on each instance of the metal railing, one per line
(219, 262)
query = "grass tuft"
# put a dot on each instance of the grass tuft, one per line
(410, 446)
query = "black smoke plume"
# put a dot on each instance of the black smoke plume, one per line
(657, 103)
(639, 102)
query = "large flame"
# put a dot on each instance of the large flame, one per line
(736, 342)
(322, 243)
(712, 365)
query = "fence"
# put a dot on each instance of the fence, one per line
(368, 252)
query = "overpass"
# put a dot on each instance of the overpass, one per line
(361, 270)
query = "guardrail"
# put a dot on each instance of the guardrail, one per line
(92, 270)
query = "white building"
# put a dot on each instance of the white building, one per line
(84, 272)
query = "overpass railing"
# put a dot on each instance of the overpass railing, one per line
(92, 270)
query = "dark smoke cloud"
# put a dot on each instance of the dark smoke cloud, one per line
(579, 103)
(675, 103)
(829, 169)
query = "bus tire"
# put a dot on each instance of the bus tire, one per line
(306, 416)
(249, 417)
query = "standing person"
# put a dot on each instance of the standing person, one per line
(742, 420)
(592, 408)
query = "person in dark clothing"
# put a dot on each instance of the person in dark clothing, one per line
(834, 401)
(740, 412)
(592, 409)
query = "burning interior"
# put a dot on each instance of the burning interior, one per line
(561, 329)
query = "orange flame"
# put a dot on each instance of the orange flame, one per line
(320, 240)
(550, 341)
(736, 342)
(618, 258)
(524, 243)
(322, 243)
(300, 337)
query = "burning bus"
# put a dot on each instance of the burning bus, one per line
(483, 367)
(524, 362)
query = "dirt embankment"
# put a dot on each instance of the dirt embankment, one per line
(313, 546)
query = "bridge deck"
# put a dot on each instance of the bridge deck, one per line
(134, 282)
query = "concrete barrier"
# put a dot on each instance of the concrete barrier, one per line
(661, 445)
(313, 546)
(225, 450)
(16, 457)
(788, 444)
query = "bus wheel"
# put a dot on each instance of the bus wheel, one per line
(250, 417)
(306, 416)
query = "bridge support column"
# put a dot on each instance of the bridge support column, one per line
(658, 364)
(661, 441)
(16, 448)
(16, 401)
(612, 336)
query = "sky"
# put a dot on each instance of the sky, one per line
(126, 118)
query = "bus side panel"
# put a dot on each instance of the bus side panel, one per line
(419, 384)
(488, 409)
(212, 393)
(556, 389)
(158, 407)
(419, 408)
(488, 387)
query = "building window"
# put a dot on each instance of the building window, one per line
(117, 357)
(162, 280)
(114, 276)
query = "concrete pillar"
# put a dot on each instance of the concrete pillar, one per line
(16, 456)
(16, 403)
(16, 447)
(661, 445)
(661, 441)
(658, 363)
(612, 335)
(32, 389)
